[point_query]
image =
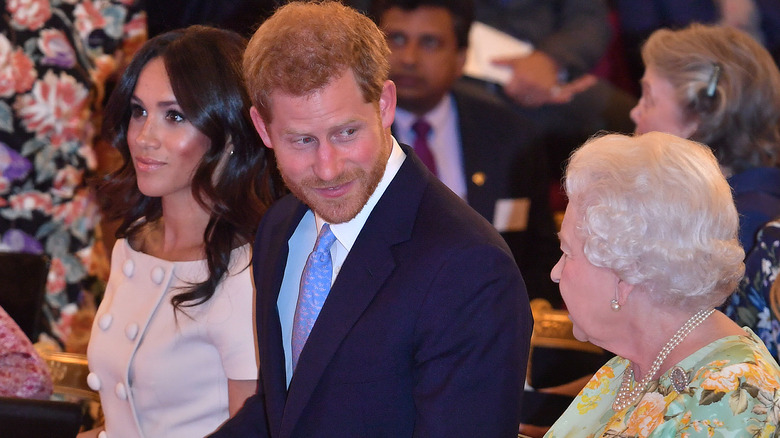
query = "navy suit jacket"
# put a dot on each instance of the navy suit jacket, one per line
(503, 149)
(425, 331)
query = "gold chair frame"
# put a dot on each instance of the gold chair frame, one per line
(69, 374)
(553, 329)
(69, 377)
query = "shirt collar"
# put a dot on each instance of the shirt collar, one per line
(346, 233)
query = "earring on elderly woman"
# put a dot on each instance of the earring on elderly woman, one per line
(615, 304)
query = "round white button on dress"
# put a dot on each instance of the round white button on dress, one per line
(93, 381)
(105, 321)
(158, 274)
(120, 391)
(128, 268)
(131, 331)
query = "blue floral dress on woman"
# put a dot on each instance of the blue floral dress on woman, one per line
(749, 305)
(55, 57)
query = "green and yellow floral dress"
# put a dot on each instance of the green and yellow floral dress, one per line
(733, 390)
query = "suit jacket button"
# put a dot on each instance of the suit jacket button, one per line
(128, 268)
(120, 391)
(93, 381)
(131, 331)
(105, 321)
(158, 274)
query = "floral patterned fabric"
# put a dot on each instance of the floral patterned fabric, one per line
(55, 57)
(749, 304)
(733, 391)
(22, 372)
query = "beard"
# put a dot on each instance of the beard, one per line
(346, 207)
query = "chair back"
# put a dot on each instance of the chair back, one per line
(69, 378)
(22, 289)
(554, 329)
(556, 358)
(28, 418)
(69, 375)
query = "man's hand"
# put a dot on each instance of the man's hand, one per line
(535, 81)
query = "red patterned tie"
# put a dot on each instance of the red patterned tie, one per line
(421, 129)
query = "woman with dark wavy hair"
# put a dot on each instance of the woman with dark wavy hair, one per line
(172, 348)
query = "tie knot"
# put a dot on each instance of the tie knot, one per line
(325, 239)
(421, 128)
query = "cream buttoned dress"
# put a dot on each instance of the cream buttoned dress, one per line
(165, 376)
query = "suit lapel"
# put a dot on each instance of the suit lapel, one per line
(471, 141)
(369, 263)
(269, 267)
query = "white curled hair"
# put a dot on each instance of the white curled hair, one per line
(657, 211)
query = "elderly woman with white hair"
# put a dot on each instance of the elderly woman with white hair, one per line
(650, 248)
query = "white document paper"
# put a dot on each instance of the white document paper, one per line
(511, 214)
(488, 43)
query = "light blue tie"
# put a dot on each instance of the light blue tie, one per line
(315, 285)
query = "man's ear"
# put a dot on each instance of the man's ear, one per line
(387, 104)
(260, 126)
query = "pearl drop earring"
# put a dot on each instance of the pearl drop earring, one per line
(615, 305)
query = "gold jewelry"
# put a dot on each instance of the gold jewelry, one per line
(627, 397)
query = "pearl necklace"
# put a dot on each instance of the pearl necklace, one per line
(627, 397)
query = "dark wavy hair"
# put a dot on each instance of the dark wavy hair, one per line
(204, 68)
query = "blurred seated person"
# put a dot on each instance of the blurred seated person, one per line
(551, 86)
(644, 265)
(562, 51)
(478, 146)
(718, 86)
(22, 371)
(750, 304)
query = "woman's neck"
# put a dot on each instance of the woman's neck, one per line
(178, 234)
(652, 331)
